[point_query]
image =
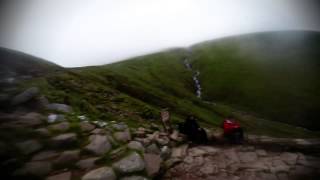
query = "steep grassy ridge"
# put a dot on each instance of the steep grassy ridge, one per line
(275, 75)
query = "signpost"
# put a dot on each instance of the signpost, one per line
(165, 118)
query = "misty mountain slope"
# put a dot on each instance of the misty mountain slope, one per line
(135, 91)
(275, 75)
(160, 80)
(14, 63)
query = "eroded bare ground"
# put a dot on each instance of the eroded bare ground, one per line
(244, 162)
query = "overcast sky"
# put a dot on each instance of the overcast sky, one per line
(90, 32)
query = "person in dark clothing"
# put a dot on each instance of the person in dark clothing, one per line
(233, 131)
(193, 131)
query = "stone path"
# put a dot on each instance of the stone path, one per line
(242, 163)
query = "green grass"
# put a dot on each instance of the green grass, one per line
(261, 79)
(273, 75)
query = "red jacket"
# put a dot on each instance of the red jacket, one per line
(230, 125)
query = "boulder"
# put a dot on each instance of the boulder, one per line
(30, 120)
(135, 145)
(64, 139)
(63, 126)
(98, 145)
(29, 147)
(117, 153)
(124, 136)
(59, 107)
(103, 173)
(25, 96)
(86, 164)
(129, 164)
(39, 169)
(61, 176)
(52, 118)
(153, 149)
(86, 126)
(67, 157)
(120, 126)
(45, 155)
(43, 131)
(98, 131)
(152, 162)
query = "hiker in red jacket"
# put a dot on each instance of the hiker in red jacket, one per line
(232, 130)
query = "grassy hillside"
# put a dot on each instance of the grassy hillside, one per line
(275, 75)
(137, 89)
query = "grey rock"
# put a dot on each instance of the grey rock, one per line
(152, 163)
(153, 149)
(209, 169)
(63, 126)
(30, 120)
(261, 152)
(52, 118)
(124, 136)
(171, 162)
(45, 155)
(129, 164)
(120, 126)
(247, 156)
(179, 152)
(134, 178)
(86, 126)
(279, 166)
(43, 131)
(28, 147)
(64, 139)
(67, 157)
(59, 107)
(99, 144)
(86, 164)
(42, 102)
(98, 131)
(135, 145)
(163, 141)
(196, 152)
(117, 153)
(103, 173)
(61, 176)
(289, 158)
(25, 96)
(39, 169)
(165, 152)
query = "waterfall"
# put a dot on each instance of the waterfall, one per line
(195, 78)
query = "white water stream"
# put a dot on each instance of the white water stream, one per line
(195, 78)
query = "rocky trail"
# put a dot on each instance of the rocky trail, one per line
(44, 140)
